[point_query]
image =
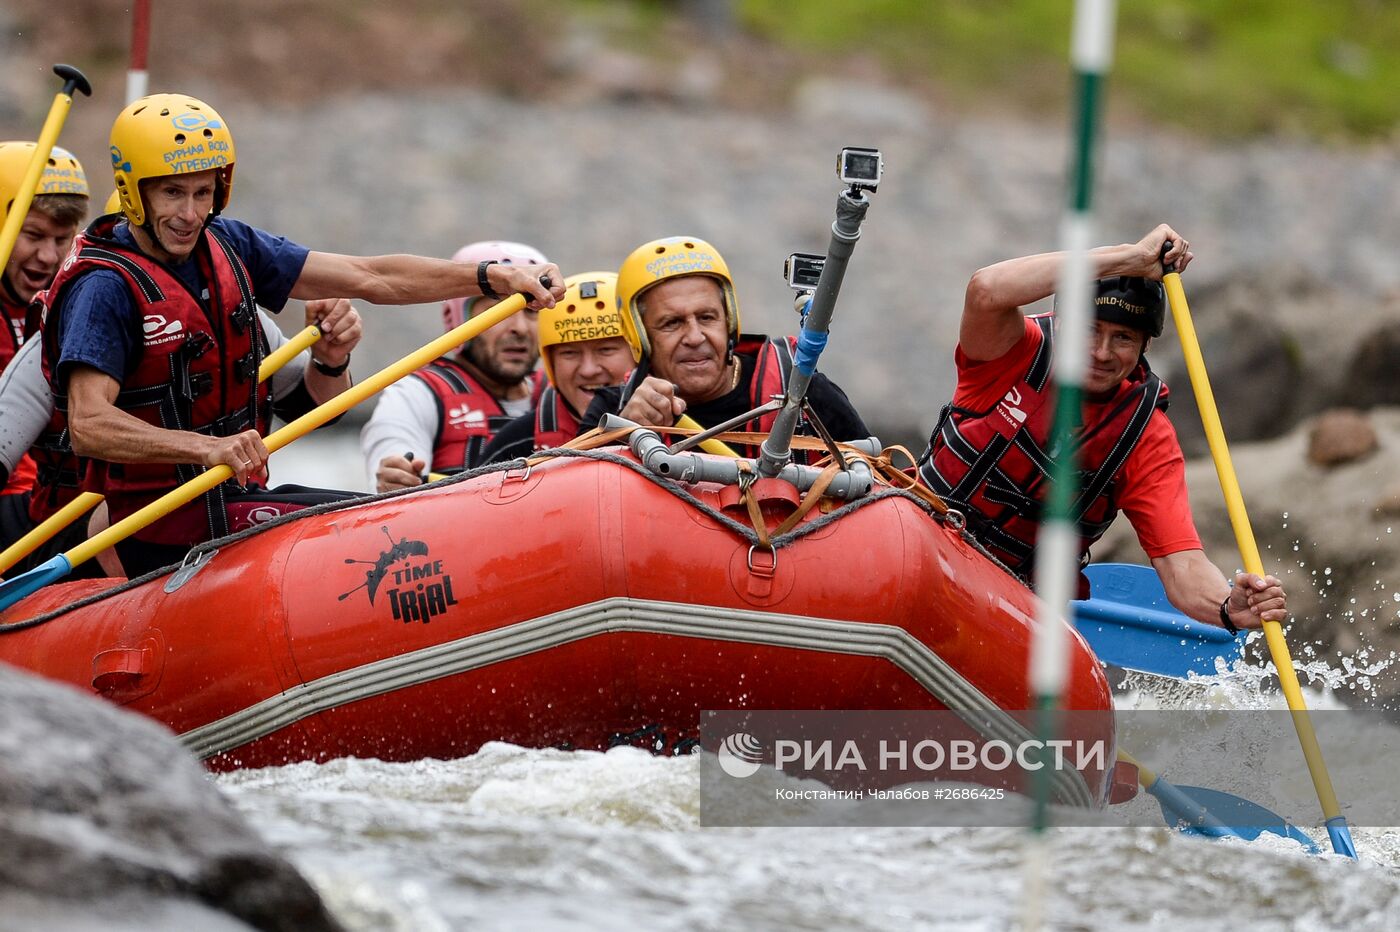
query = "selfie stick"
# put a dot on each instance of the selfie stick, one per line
(850, 211)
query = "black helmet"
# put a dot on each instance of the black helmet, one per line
(1139, 303)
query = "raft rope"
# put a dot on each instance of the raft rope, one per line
(901, 485)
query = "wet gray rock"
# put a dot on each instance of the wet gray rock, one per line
(106, 822)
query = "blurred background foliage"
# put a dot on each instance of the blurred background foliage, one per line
(1229, 68)
(1323, 70)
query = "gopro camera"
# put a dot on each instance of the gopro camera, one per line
(803, 270)
(860, 167)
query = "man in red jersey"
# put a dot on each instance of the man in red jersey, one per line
(989, 454)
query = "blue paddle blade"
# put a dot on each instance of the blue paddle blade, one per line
(1129, 623)
(26, 584)
(1207, 812)
(1340, 834)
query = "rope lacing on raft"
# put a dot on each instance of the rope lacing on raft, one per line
(591, 446)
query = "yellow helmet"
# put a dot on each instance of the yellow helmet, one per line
(63, 174)
(114, 203)
(588, 311)
(169, 134)
(672, 257)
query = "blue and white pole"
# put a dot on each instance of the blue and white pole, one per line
(1057, 547)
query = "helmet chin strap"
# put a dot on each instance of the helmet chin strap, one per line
(729, 350)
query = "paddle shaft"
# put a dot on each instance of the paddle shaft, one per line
(298, 428)
(87, 501)
(48, 137)
(1244, 538)
(717, 447)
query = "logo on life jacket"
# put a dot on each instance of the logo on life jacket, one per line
(1009, 407)
(463, 415)
(263, 514)
(158, 329)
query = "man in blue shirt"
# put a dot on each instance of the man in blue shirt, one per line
(153, 342)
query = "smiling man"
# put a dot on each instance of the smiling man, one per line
(448, 412)
(59, 206)
(989, 457)
(153, 340)
(678, 302)
(584, 350)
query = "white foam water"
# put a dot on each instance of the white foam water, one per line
(513, 838)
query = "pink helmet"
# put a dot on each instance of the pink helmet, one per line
(456, 310)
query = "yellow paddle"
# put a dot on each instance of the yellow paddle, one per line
(58, 112)
(89, 500)
(1249, 551)
(60, 566)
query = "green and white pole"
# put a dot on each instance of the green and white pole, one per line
(1057, 547)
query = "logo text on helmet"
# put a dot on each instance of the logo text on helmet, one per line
(680, 263)
(1116, 301)
(119, 161)
(576, 329)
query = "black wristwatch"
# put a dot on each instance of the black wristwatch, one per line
(481, 280)
(330, 371)
(1225, 617)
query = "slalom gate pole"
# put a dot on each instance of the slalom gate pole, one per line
(140, 48)
(1057, 549)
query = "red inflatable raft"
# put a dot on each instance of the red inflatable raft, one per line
(579, 603)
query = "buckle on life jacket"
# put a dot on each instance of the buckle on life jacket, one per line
(192, 385)
(235, 422)
(196, 345)
(245, 367)
(241, 317)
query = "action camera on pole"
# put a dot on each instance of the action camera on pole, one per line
(860, 167)
(803, 270)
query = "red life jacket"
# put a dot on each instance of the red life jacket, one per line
(197, 370)
(468, 415)
(59, 471)
(555, 423)
(12, 336)
(993, 464)
(14, 333)
(773, 361)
